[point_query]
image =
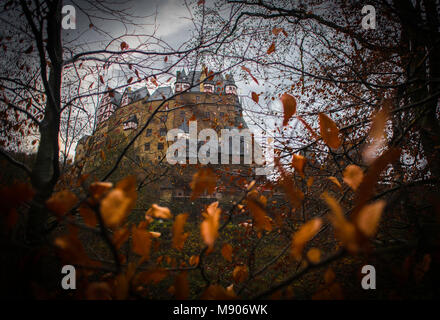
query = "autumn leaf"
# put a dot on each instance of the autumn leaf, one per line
(298, 163)
(308, 127)
(255, 97)
(61, 202)
(276, 31)
(179, 236)
(201, 2)
(120, 236)
(181, 286)
(217, 292)
(289, 107)
(240, 273)
(194, 260)
(293, 194)
(227, 252)
(210, 224)
(304, 235)
(335, 181)
(256, 206)
(101, 79)
(368, 218)
(329, 131)
(114, 208)
(153, 276)
(353, 176)
(310, 182)
(271, 48)
(205, 180)
(159, 212)
(345, 231)
(314, 255)
(249, 72)
(124, 46)
(377, 135)
(98, 189)
(141, 239)
(88, 215)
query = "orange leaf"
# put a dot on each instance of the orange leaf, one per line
(377, 135)
(61, 202)
(308, 127)
(255, 97)
(179, 236)
(159, 212)
(115, 207)
(240, 273)
(98, 189)
(88, 215)
(181, 286)
(289, 107)
(353, 176)
(227, 252)
(271, 48)
(249, 72)
(335, 181)
(124, 45)
(209, 226)
(141, 241)
(205, 180)
(217, 292)
(120, 236)
(304, 235)
(298, 162)
(344, 231)
(329, 131)
(314, 255)
(194, 260)
(368, 218)
(256, 207)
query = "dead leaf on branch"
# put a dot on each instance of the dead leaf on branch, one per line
(304, 235)
(240, 273)
(209, 226)
(353, 176)
(179, 236)
(205, 180)
(61, 202)
(329, 131)
(227, 252)
(289, 107)
(157, 211)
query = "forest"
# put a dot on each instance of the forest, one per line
(341, 97)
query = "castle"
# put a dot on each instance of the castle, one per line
(212, 101)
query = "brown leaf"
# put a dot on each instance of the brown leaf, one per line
(115, 207)
(255, 97)
(209, 226)
(271, 48)
(227, 252)
(61, 202)
(181, 286)
(141, 241)
(179, 236)
(368, 218)
(120, 236)
(314, 255)
(88, 215)
(353, 176)
(124, 46)
(335, 181)
(289, 107)
(159, 212)
(249, 72)
(217, 292)
(329, 131)
(194, 260)
(256, 207)
(304, 235)
(345, 231)
(240, 273)
(298, 163)
(205, 180)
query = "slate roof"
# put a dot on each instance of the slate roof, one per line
(161, 93)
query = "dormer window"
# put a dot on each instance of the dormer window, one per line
(231, 89)
(182, 86)
(208, 88)
(131, 123)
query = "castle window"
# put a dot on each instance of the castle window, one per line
(207, 114)
(182, 114)
(149, 132)
(163, 118)
(208, 88)
(231, 89)
(163, 132)
(147, 146)
(160, 146)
